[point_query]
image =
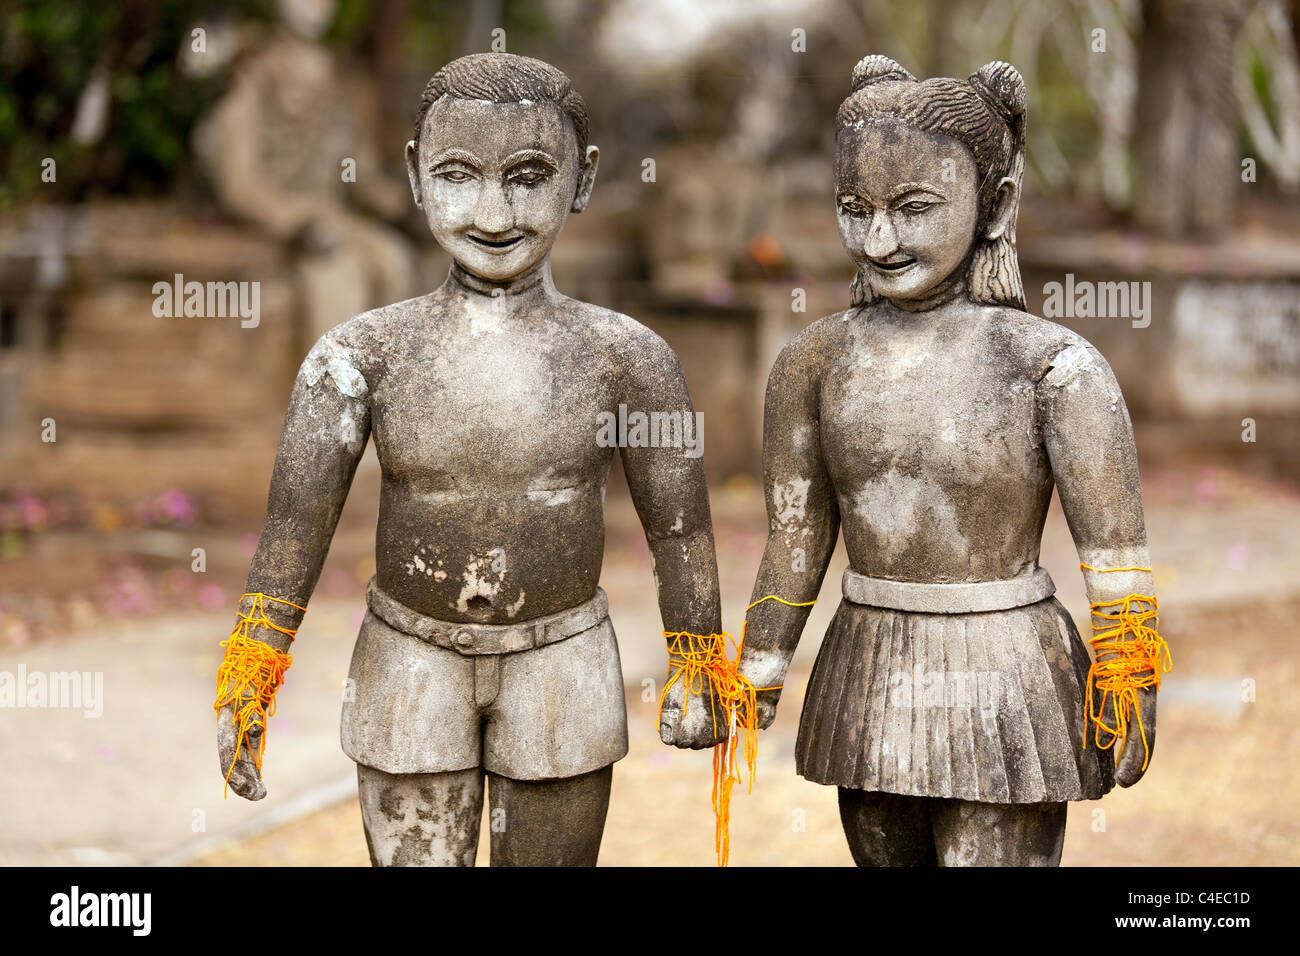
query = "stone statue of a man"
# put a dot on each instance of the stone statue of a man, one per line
(487, 650)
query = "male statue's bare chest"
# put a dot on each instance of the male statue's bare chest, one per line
(459, 406)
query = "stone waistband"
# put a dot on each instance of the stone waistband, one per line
(471, 639)
(963, 598)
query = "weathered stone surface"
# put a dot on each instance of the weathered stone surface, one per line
(930, 422)
(484, 399)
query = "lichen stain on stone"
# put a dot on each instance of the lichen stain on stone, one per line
(1067, 367)
(513, 609)
(414, 847)
(390, 805)
(327, 357)
(552, 496)
(480, 579)
(790, 502)
(894, 505)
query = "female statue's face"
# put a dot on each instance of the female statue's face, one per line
(496, 181)
(907, 203)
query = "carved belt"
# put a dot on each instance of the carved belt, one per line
(948, 598)
(472, 639)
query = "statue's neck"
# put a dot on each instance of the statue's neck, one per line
(949, 290)
(534, 285)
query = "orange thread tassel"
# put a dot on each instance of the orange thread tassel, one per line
(701, 663)
(1129, 656)
(250, 674)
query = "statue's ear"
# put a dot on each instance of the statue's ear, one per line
(586, 179)
(1003, 215)
(413, 172)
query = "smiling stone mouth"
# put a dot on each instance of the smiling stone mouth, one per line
(496, 243)
(897, 265)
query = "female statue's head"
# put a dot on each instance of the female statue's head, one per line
(927, 179)
(498, 160)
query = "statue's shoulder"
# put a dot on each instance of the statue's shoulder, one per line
(372, 329)
(1044, 344)
(621, 334)
(818, 342)
(367, 340)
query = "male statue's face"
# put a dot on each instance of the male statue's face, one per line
(496, 181)
(907, 205)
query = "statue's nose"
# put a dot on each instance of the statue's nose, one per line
(882, 241)
(493, 213)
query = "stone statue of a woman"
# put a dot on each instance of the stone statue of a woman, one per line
(930, 421)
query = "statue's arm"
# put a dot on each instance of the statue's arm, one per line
(671, 499)
(1088, 436)
(325, 433)
(802, 521)
(670, 496)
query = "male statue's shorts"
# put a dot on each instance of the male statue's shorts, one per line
(533, 700)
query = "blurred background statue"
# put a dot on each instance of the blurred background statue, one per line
(291, 147)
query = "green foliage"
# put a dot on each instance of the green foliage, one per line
(52, 49)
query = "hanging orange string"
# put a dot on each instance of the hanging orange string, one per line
(1129, 655)
(1111, 570)
(250, 674)
(701, 663)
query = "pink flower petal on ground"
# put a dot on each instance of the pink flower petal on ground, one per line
(211, 597)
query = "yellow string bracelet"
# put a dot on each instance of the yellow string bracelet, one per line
(1129, 655)
(250, 674)
(701, 663)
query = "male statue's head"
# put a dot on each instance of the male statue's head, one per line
(499, 160)
(927, 180)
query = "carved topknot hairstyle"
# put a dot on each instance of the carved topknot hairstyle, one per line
(986, 112)
(505, 78)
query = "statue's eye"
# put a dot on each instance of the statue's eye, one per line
(852, 207)
(455, 175)
(915, 206)
(528, 177)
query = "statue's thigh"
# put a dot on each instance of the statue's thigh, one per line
(887, 829)
(998, 834)
(421, 819)
(548, 822)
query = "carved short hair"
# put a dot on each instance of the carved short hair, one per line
(506, 78)
(986, 113)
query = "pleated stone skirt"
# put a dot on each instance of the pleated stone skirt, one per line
(979, 706)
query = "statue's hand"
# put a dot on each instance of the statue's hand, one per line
(1128, 767)
(767, 700)
(244, 778)
(693, 721)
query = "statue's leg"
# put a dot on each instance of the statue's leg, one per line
(887, 829)
(421, 819)
(548, 822)
(998, 834)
